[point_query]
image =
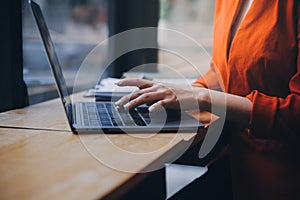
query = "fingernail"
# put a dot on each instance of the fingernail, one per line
(126, 106)
(151, 109)
(120, 107)
(118, 83)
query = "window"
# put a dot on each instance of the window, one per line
(77, 26)
(194, 19)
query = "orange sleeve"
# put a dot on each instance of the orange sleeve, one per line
(209, 79)
(274, 117)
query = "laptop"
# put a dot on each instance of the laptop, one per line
(103, 117)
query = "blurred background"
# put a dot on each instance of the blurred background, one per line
(78, 26)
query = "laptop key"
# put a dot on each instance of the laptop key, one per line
(106, 123)
(114, 115)
(94, 123)
(136, 117)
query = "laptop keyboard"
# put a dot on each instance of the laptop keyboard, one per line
(105, 114)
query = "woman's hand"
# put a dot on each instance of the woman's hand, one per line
(159, 95)
(186, 96)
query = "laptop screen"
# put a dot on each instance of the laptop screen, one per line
(52, 58)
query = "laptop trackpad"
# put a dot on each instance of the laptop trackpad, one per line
(167, 117)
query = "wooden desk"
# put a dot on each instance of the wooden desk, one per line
(47, 115)
(56, 165)
(53, 163)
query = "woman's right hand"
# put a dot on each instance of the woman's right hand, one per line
(161, 95)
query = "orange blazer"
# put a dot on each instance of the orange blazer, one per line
(262, 64)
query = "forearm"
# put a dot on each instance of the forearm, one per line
(237, 109)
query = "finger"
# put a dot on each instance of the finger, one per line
(144, 98)
(141, 83)
(132, 96)
(125, 99)
(158, 105)
(141, 92)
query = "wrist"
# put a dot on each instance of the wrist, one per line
(198, 85)
(203, 99)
